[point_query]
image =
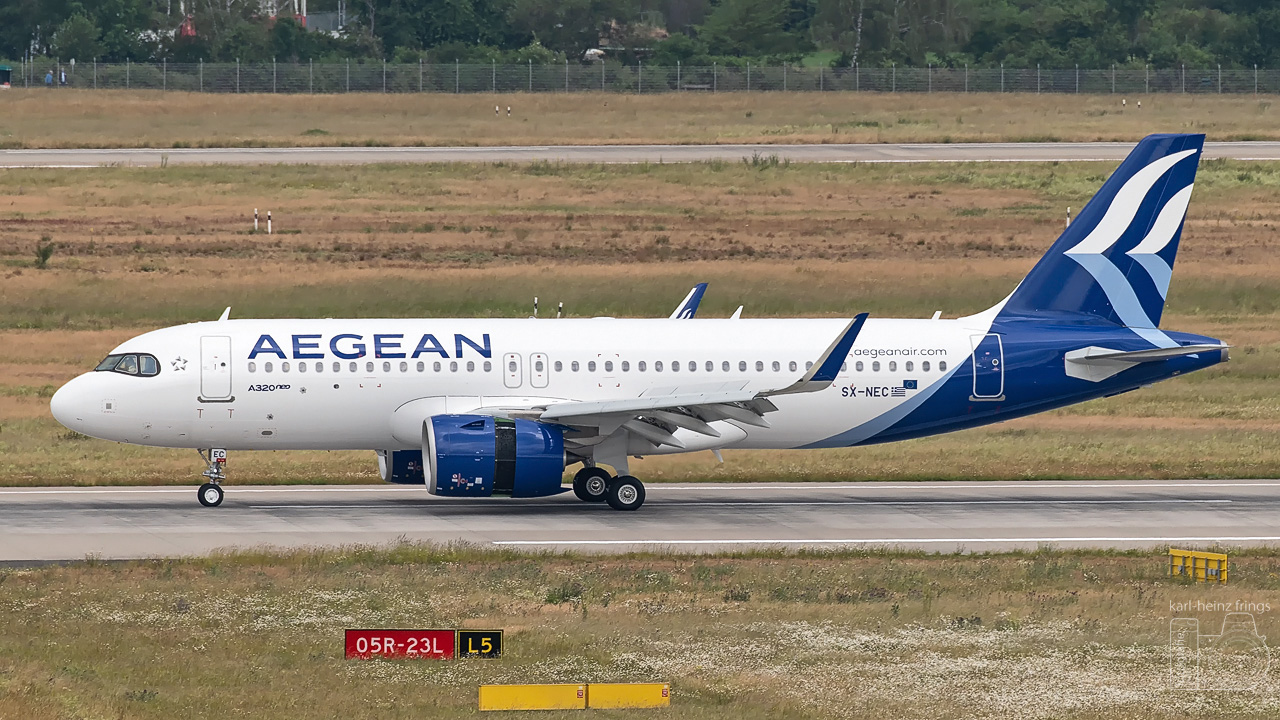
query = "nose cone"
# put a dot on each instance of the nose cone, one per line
(70, 403)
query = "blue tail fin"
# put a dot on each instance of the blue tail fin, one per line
(1113, 263)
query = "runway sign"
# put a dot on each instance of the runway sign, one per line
(628, 695)
(533, 697)
(1199, 566)
(480, 643)
(399, 644)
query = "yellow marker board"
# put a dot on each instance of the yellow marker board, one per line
(1199, 566)
(533, 697)
(628, 695)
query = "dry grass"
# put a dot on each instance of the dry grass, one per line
(140, 248)
(852, 635)
(87, 118)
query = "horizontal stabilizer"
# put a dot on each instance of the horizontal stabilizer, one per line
(1096, 364)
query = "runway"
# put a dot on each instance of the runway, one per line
(846, 153)
(52, 524)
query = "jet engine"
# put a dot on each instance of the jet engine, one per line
(479, 456)
(403, 467)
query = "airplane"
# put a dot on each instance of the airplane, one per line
(501, 407)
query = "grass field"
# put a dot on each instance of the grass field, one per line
(1047, 634)
(39, 118)
(140, 248)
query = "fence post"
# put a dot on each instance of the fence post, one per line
(419, 74)
(237, 76)
(348, 74)
(566, 74)
(128, 66)
(1037, 78)
(820, 79)
(748, 76)
(679, 86)
(1113, 78)
(1077, 78)
(493, 78)
(95, 73)
(530, 74)
(715, 77)
(966, 77)
(930, 77)
(857, 77)
(273, 76)
(384, 75)
(1219, 78)
(1001, 77)
(457, 73)
(1146, 78)
(639, 77)
(95, 76)
(602, 76)
(784, 77)
(164, 76)
(311, 76)
(1184, 78)
(1255, 79)
(895, 77)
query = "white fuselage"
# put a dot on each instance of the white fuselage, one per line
(369, 383)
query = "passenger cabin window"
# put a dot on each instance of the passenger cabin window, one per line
(453, 366)
(692, 366)
(471, 366)
(608, 366)
(253, 366)
(574, 366)
(742, 366)
(858, 366)
(591, 366)
(302, 367)
(337, 366)
(675, 366)
(759, 366)
(421, 366)
(942, 366)
(777, 366)
(910, 365)
(435, 366)
(924, 366)
(559, 366)
(488, 366)
(657, 366)
(875, 366)
(791, 366)
(626, 366)
(640, 366)
(893, 366)
(284, 367)
(144, 365)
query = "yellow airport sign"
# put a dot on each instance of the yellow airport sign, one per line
(533, 697)
(628, 695)
(1197, 565)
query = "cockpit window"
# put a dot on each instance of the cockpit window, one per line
(145, 365)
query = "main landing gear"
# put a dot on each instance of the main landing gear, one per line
(594, 484)
(210, 493)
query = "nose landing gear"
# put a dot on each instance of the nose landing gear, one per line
(210, 493)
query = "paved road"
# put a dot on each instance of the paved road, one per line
(959, 152)
(40, 524)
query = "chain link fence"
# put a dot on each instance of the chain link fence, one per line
(364, 76)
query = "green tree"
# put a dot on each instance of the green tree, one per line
(76, 38)
(749, 28)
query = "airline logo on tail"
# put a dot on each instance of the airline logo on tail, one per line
(1120, 215)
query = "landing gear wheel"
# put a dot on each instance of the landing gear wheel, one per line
(626, 493)
(591, 484)
(210, 495)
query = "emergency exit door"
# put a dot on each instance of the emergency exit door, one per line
(988, 367)
(215, 368)
(512, 373)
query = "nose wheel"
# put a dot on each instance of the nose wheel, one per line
(211, 493)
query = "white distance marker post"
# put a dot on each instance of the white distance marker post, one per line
(268, 222)
(255, 219)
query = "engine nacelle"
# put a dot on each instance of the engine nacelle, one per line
(403, 467)
(479, 455)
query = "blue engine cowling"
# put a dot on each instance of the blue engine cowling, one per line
(479, 455)
(403, 467)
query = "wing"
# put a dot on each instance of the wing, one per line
(656, 416)
(689, 306)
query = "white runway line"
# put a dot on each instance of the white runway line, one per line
(501, 502)
(895, 541)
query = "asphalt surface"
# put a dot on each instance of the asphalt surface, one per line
(52, 524)
(872, 153)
